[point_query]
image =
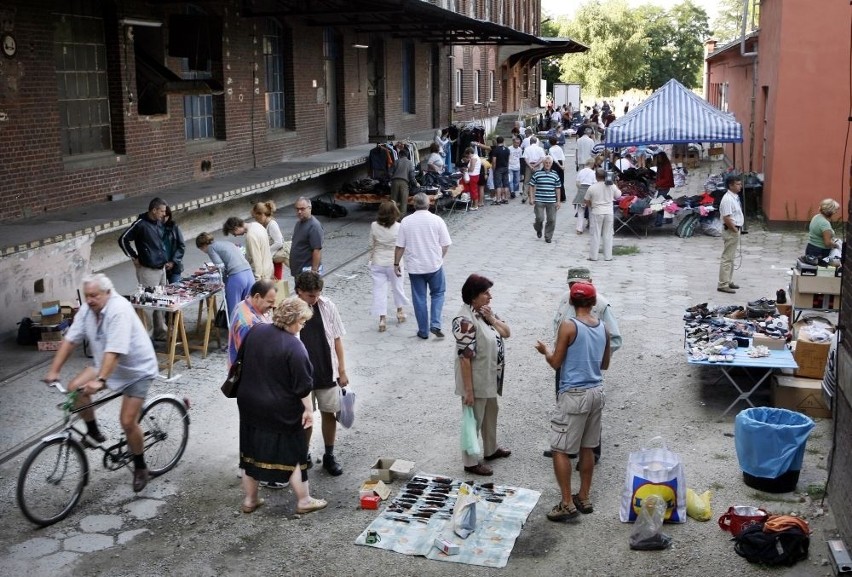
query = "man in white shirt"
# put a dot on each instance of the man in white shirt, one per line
(584, 148)
(585, 179)
(599, 199)
(534, 157)
(624, 163)
(515, 152)
(424, 240)
(733, 219)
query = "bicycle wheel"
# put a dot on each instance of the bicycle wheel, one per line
(51, 481)
(165, 427)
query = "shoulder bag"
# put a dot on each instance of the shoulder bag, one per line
(232, 382)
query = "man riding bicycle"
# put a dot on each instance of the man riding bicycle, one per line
(124, 360)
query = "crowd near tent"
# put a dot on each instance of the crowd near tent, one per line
(673, 115)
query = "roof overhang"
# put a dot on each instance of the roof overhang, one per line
(751, 40)
(530, 54)
(409, 19)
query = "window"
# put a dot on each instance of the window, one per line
(408, 91)
(197, 108)
(490, 86)
(277, 47)
(476, 86)
(723, 97)
(486, 8)
(81, 76)
(525, 83)
(459, 87)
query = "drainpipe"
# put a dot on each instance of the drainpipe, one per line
(753, 84)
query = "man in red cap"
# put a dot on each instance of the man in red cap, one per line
(582, 351)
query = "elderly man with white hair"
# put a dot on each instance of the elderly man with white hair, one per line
(123, 360)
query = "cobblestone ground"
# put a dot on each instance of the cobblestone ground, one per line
(188, 523)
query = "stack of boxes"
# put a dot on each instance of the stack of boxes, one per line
(53, 319)
(816, 287)
(802, 391)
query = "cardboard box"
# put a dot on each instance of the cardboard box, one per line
(51, 335)
(49, 345)
(802, 328)
(371, 488)
(766, 341)
(826, 302)
(799, 394)
(827, 285)
(786, 310)
(811, 358)
(446, 547)
(387, 470)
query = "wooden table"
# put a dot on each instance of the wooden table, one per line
(176, 328)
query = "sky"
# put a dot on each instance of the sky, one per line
(568, 7)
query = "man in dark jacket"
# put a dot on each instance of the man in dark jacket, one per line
(149, 257)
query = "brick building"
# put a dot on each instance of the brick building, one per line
(104, 98)
(104, 103)
(790, 87)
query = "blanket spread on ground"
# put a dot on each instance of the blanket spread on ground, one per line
(412, 520)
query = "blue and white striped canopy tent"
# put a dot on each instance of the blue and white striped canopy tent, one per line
(673, 115)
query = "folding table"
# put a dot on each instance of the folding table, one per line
(624, 219)
(757, 371)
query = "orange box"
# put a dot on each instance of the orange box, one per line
(370, 502)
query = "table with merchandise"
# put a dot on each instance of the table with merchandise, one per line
(203, 289)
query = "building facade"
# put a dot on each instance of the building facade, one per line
(102, 99)
(788, 82)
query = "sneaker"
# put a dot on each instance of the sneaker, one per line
(538, 233)
(733, 286)
(330, 464)
(274, 484)
(726, 289)
(562, 512)
(437, 332)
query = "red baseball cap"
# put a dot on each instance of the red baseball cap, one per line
(583, 290)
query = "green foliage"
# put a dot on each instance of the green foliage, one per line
(727, 25)
(640, 48)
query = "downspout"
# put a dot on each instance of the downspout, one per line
(753, 84)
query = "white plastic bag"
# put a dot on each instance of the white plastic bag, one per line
(346, 416)
(648, 533)
(655, 471)
(464, 512)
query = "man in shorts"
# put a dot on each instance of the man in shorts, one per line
(500, 164)
(322, 337)
(124, 360)
(582, 350)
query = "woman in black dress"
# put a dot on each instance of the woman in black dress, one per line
(274, 400)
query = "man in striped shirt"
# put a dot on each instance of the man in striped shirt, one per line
(544, 195)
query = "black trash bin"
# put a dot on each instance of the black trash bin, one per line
(770, 446)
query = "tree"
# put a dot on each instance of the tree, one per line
(635, 48)
(550, 70)
(615, 42)
(727, 25)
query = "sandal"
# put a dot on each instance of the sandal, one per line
(400, 317)
(252, 508)
(584, 506)
(562, 512)
(500, 453)
(382, 325)
(315, 505)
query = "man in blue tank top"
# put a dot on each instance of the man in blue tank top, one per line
(581, 352)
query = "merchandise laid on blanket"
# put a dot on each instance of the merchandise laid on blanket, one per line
(714, 333)
(452, 520)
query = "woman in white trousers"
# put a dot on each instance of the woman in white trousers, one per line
(383, 234)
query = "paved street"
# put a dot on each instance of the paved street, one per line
(187, 522)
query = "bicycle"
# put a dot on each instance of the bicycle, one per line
(55, 473)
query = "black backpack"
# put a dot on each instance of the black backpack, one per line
(781, 548)
(28, 335)
(329, 209)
